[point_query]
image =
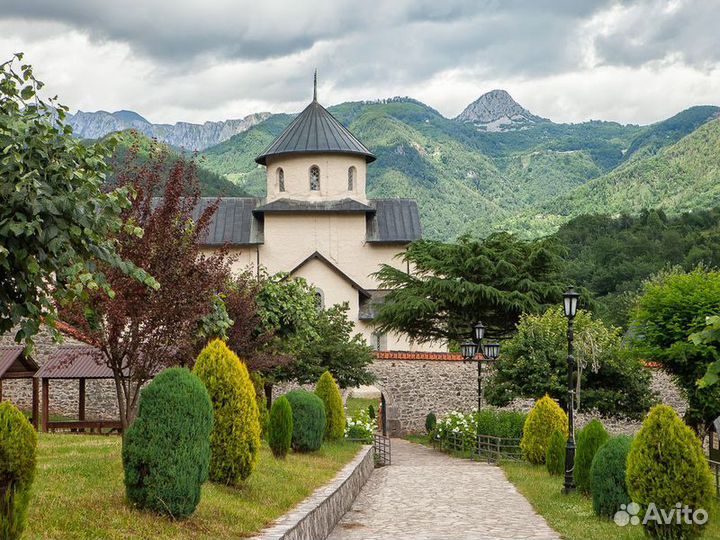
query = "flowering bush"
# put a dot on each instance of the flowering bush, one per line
(360, 427)
(459, 430)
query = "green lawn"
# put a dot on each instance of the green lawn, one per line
(78, 493)
(353, 405)
(572, 515)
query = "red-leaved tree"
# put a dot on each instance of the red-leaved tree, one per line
(139, 330)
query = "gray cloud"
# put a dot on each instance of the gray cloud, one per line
(180, 59)
(653, 30)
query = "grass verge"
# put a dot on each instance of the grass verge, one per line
(353, 405)
(78, 493)
(572, 515)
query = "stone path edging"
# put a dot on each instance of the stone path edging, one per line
(316, 516)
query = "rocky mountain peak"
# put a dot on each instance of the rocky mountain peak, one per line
(497, 111)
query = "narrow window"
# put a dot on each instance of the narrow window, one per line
(281, 179)
(319, 300)
(314, 178)
(379, 341)
(351, 178)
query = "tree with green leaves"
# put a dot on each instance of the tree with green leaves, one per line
(675, 306)
(335, 349)
(56, 223)
(710, 337)
(452, 286)
(534, 363)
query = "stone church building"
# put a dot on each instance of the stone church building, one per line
(317, 221)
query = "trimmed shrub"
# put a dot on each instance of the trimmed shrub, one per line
(263, 414)
(666, 466)
(607, 476)
(555, 455)
(308, 413)
(166, 451)
(544, 419)
(371, 412)
(328, 390)
(430, 422)
(589, 440)
(235, 437)
(280, 427)
(18, 446)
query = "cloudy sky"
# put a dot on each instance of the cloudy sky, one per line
(567, 60)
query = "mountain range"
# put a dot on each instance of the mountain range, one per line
(495, 166)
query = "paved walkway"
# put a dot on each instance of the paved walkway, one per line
(425, 494)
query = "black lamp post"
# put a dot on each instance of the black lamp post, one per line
(470, 348)
(570, 302)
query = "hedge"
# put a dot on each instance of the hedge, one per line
(555, 455)
(166, 451)
(666, 466)
(235, 438)
(544, 419)
(308, 412)
(280, 427)
(589, 441)
(607, 475)
(328, 390)
(18, 449)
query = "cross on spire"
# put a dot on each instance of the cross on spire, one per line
(315, 86)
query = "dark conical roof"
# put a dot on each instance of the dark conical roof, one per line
(315, 130)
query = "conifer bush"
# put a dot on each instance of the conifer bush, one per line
(18, 444)
(607, 476)
(308, 412)
(430, 422)
(263, 414)
(589, 440)
(280, 427)
(555, 455)
(666, 466)
(544, 419)
(328, 390)
(235, 437)
(371, 412)
(166, 451)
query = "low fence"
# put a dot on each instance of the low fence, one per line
(382, 449)
(483, 447)
(715, 468)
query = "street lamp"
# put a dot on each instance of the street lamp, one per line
(470, 348)
(570, 302)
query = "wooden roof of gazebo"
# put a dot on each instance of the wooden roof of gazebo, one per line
(14, 364)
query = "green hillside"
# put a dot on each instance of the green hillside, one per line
(611, 257)
(679, 178)
(459, 174)
(212, 184)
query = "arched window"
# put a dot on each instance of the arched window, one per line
(281, 179)
(351, 178)
(319, 299)
(314, 178)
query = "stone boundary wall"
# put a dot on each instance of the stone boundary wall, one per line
(101, 397)
(316, 516)
(413, 388)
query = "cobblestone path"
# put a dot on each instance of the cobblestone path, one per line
(429, 495)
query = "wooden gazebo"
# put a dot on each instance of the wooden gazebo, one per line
(15, 364)
(81, 362)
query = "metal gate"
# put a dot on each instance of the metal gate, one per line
(383, 450)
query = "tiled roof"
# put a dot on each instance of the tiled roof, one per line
(315, 130)
(394, 221)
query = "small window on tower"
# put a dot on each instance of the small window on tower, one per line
(351, 178)
(314, 178)
(281, 179)
(319, 300)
